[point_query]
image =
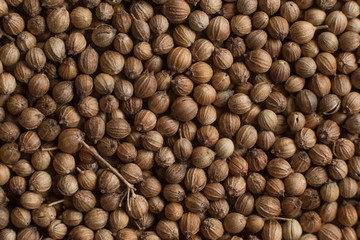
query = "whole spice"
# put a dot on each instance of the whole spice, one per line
(329, 192)
(326, 63)
(81, 17)
(176, 11)
(256, 183)
(347, 187)
(310, 222)
(217, 143)
(23, 72)
(336, 22)
(328, 42)
(310, 199)
(239, 103)
(249, 133)
(58, 20)
(184, 36)
(96, 218)
(179, 59)
(267, 120)
(13, 23)
(75, 43)
(284, 148)
(28, 233)
(173, 211)
(291, 51)
(329, 231)
(202, 49)
(10, 54)
(348, 232)
(218, 29)
(347, 214)
(9, 132)
(254, 223)
(302, 32)
(40, 181)
(234, 223)
(31, 200)
(200, 72)
(268, 206)
(278, 27)
(111, 62)
(292, 229)
(103, 35)
(343, 148)
(275, 187)
(290, 11)
(310, 49)
(272, 230)
(81, 232)
(292, 207)
(158, 24)
(258, 61)
(88, 61)
(212, 228)
(279, 168)
(328, 211)
(295, 184)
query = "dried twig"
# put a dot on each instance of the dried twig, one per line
(49, 149)
(278, 218)
(123, 195)
(2, 33)
(111, 168)
(56, 202)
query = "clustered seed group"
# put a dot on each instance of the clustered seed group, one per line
(179, 119)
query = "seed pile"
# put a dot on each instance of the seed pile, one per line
(174, 119)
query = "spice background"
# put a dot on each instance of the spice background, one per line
(179, 119)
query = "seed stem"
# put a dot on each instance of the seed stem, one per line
(133, 194)
(2, 33)
(321, 27)
(123, 195)
(180, 133)
(278, 218)
(111, 168)
(128, 198)
(49, 149)
(56, 202)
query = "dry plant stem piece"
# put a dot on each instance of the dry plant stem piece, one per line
(56, 202)
(49, 149)
(277, 218)
(2, 33)
(111, 168)
(123, 194)
(321, 27)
